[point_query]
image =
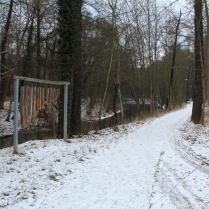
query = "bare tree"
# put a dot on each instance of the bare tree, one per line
(173, 62)
(3, 57)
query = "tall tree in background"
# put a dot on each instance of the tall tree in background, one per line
(9, 68)
(3, 56)
(70, 31)
(197, 110)
(173, 63)
(38, 36)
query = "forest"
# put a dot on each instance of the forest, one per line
(111, 52)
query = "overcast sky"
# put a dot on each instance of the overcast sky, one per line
(178, 4)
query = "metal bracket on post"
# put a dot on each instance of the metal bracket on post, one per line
(65, 111)
(16, 95)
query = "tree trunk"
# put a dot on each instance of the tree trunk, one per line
(173, 63)
(28, 54)
(70, 31)
(10, 106)
(105, 91)
(207, 52)
(150, 61)
(115, 104)
(38, 44)
(116, 37)
(197, 109)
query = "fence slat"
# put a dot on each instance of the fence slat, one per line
(42, 98)
(26, 101)
(22, 112)
(34, 102)
(30, 109)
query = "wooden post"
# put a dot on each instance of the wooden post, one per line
(16, 93)
(51, 95)
(22, 109)
(48, 92)
(39, 101)
(34, 101)
(65, 111)
(26, 101)
(30, 106)
(42, 98)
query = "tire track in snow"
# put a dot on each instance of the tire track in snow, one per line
(184, 184)
(189, 156)
(174, 188)
(167, 181)
(171, 187)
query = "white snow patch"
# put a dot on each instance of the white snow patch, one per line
(141, 166)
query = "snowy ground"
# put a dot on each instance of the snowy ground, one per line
(6, 128)
(160, 163)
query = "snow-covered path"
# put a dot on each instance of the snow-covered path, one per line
(116, 171)
(123, 176)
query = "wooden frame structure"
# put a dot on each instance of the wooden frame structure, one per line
(33, 99)
(16, 98)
